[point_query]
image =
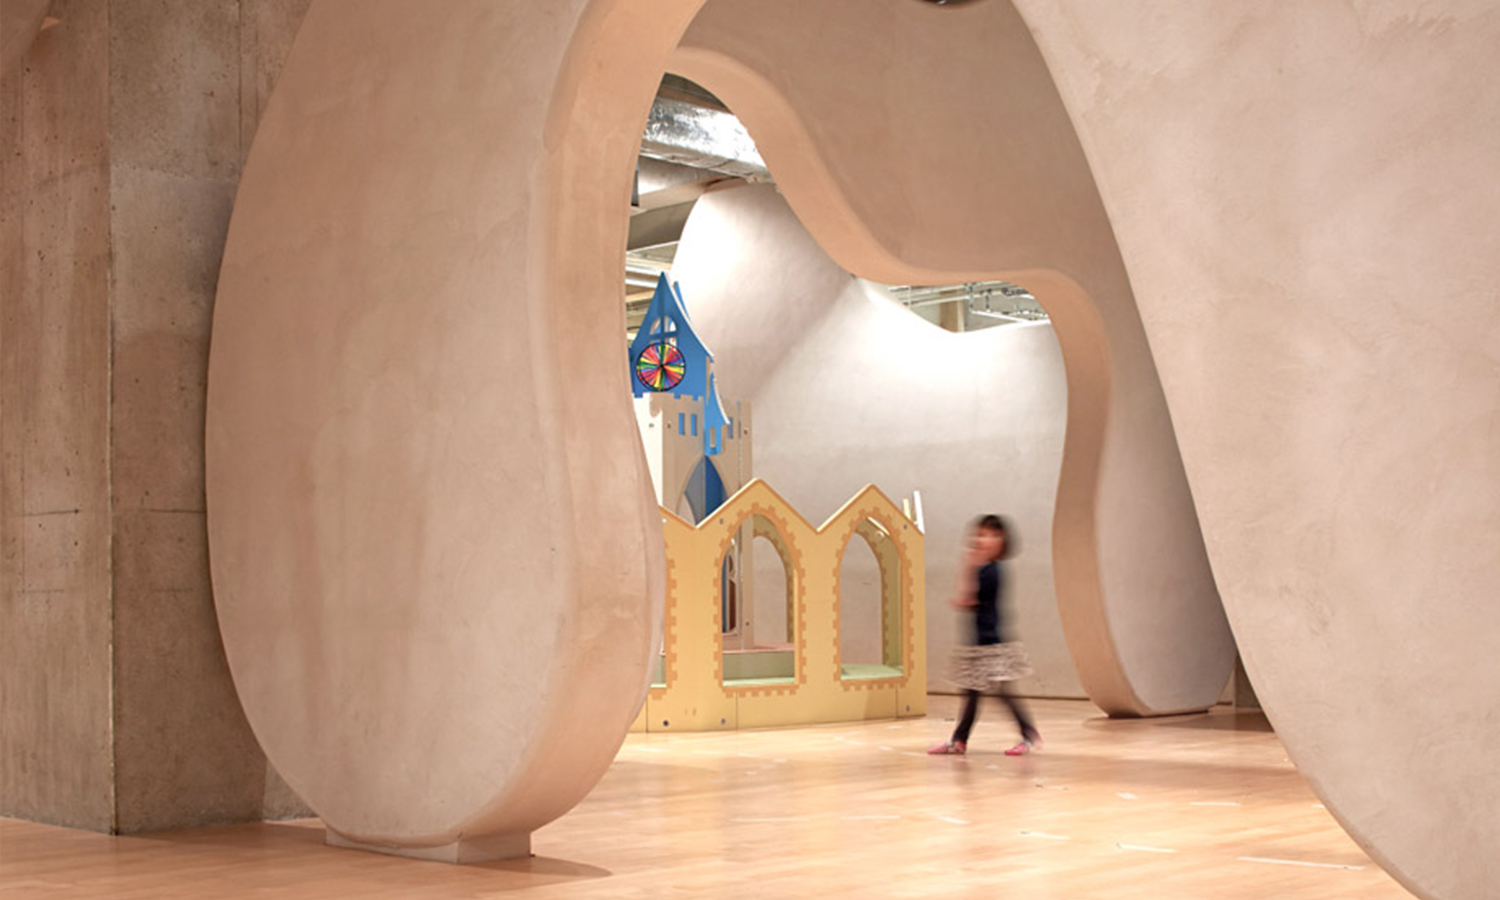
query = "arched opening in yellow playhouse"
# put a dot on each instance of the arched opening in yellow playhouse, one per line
(756, 639)
(870, 603)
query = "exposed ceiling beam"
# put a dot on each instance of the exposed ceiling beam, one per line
(655, 227)
(684, 192)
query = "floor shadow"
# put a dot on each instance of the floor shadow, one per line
(1217, 720)
(542, 870)
(302, 831)
(308, 831)
(1236, 721)
(309, 835)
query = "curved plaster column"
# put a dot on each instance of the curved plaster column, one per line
(1306, 196)
(434, 548)
(928, 145)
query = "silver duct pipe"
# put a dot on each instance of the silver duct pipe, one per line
(926, 295)
(701, 138)
(992, 299)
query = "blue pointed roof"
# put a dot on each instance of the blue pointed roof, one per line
(667, 320)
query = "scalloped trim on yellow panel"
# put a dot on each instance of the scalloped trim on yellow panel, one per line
(695, 695)
(669, 613)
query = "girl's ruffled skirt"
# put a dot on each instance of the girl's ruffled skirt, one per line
(977, 668)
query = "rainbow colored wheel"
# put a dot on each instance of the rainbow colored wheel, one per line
(660, 366)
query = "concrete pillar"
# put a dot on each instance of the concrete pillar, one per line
(56, 752)
(125, 127)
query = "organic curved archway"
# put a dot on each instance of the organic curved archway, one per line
(393, 388)
(371, 372)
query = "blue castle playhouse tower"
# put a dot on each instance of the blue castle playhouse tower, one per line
(698, 453)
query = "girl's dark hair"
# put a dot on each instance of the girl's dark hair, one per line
(992, 522)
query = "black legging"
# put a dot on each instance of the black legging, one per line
(971, 710)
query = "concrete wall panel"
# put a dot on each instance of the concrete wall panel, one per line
(184, 754)
(122, 137)
(20, 22)
(55, 737)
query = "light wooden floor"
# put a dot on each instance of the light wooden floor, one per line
(1204, 806)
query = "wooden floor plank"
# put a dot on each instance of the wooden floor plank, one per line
(1200, 806)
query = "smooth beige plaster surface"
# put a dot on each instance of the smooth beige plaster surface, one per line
(123, 143)
(849, 389)
(435, 550)
(927, 145)
(1306, 198)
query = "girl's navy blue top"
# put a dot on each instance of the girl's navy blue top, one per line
(988, 627)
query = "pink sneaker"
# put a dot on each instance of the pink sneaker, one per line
(949, 748)
(1020, 749)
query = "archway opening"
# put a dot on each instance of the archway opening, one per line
(861, 395)
(1021, 235)
(411, 305)
(870, 606)
(757, 647)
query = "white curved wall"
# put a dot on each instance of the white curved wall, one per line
(849, 390)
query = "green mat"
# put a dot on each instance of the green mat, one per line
(757, 682)
(868, 672)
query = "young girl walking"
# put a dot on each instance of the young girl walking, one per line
(991, 656)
